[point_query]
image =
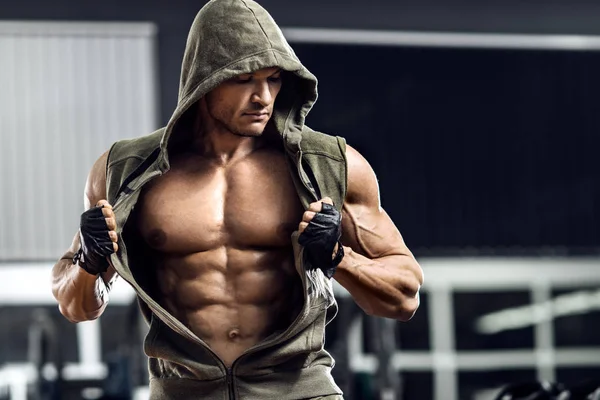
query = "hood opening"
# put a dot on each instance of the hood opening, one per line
(288, 113)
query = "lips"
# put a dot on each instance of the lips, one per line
(260, 116)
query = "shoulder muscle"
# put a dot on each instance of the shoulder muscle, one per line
(363, 188)
(95, 186)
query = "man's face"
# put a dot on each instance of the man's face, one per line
(243, 105)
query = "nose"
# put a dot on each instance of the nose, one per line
(262, 94)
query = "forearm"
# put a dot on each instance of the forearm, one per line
(385, 287)
(83, 295)
(80, 295)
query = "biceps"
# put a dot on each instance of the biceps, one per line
(371, 232)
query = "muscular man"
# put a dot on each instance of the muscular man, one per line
(232, 220)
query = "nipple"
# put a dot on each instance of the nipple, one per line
(234, 334)
(157, 238)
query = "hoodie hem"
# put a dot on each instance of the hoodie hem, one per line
(308, 383)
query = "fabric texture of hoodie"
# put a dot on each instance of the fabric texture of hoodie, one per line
(229, 38)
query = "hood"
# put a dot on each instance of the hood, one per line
(233, 37)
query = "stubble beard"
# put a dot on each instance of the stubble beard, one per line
(231, 128)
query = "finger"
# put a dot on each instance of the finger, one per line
(108, 212)
(115, 247)
(308, 216)
(315, 207)
(111, 224)
(103, 203)
(302, 226)
(113, 236)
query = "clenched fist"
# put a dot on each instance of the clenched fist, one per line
(97, 232)
(320, 232)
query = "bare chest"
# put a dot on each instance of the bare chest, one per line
(190, 209)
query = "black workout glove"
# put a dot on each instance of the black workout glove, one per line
(95, 242)
(320, 237)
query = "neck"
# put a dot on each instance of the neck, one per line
(225, 146)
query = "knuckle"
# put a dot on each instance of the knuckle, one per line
(315, 207)
(308, 215)
(104, 204)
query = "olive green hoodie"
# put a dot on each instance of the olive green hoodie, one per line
(228, 38)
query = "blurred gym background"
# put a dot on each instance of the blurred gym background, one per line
(481, 120)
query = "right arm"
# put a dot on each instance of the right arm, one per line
(82, 296)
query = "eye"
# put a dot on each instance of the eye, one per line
(275, 78)
(242, 79)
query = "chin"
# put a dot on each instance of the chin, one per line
(250, 131)
(248, 134)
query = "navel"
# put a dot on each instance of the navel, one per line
(234, 334)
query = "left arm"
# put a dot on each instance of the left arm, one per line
(378, 269)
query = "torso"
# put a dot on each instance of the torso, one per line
(225, 264)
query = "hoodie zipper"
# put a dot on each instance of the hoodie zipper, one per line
(303, 178)
(230, 383)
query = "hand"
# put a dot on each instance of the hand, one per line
(98, 237)
(320, 232)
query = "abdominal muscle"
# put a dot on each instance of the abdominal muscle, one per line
(231, 298)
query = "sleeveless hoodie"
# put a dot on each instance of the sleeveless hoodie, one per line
(229, 38)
